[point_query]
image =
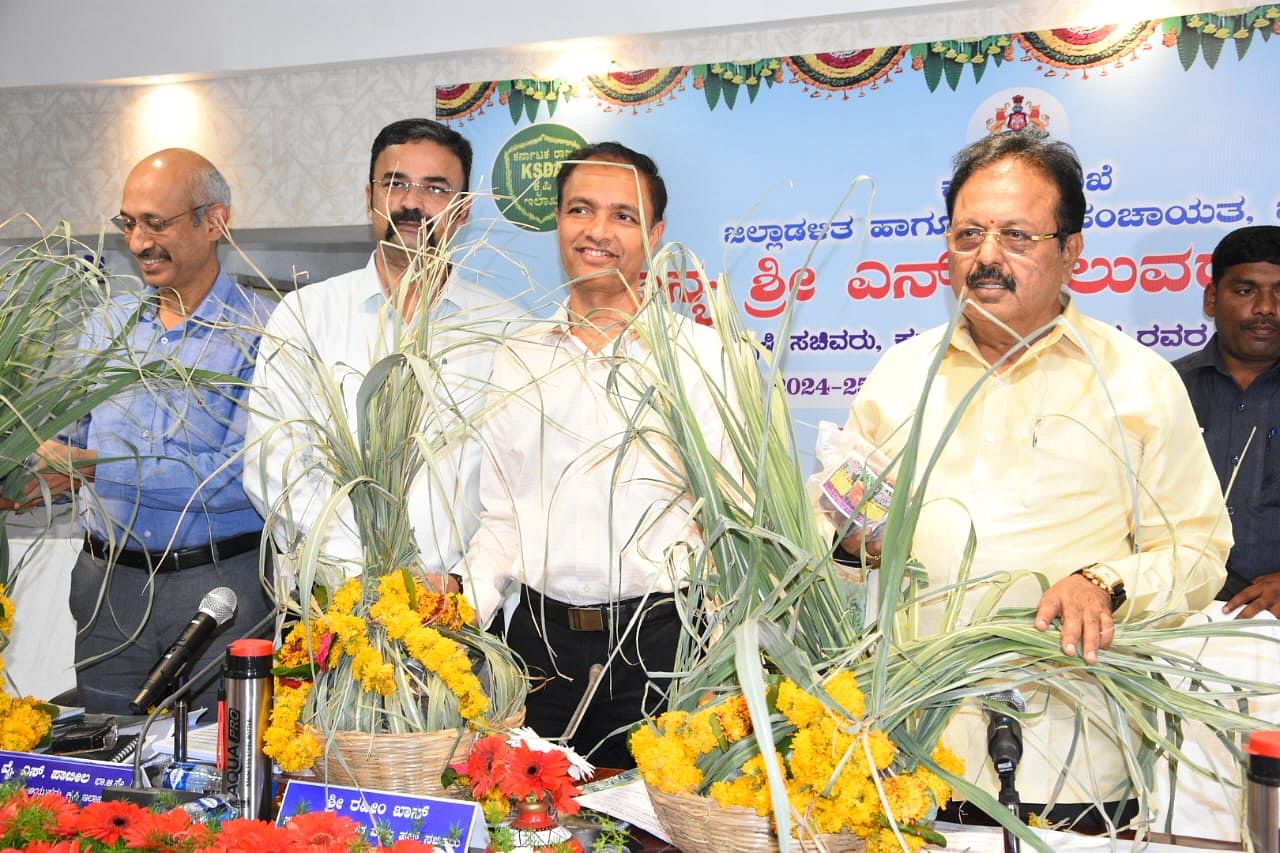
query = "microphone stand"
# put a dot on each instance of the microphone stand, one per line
(138, 776)
(180, 722)
(1009, 799)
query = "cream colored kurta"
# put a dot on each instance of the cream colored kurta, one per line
(1041, 464)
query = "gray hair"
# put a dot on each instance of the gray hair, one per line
(208, 187)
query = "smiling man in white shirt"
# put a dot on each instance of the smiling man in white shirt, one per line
(583, 499)
(323, 339)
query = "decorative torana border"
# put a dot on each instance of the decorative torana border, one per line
(1062, 52)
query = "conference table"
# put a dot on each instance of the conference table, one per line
(40, 660)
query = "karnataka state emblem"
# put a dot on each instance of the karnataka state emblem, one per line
(1019, 117)
(524, 173)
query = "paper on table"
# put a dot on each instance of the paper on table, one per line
(625, 800)
(202, 741)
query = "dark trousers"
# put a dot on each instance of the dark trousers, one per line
(625, 695)
(109, 606)
(1077, 817)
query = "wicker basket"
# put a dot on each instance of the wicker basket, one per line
(700, 825)
(407, 764)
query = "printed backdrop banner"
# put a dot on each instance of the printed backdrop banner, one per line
(1173, 120)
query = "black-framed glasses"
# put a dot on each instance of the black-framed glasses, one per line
(404, 186)
(152, 224)
(1015, 241)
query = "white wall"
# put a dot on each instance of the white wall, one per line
(61, 42)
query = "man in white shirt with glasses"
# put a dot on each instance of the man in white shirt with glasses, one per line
(323, 339)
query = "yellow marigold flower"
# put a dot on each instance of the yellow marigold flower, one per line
(745, 792)
(698, 734)
(350, 594)
(22, 725)
(301, 753)
(812, 760)
(884, 841)
(735, 719)
(6, 614)
(796, 705)
(948, 760)
(937, 786)
(909, 797)
(883, 749)
(843, 687)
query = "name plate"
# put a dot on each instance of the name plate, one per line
(449, 825)
(78, 779)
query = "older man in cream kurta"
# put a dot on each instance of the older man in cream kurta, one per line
(1078, 459)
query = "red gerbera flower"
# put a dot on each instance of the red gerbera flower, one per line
(251, 836)
(153, 831)
(530, 773)
(562, 797)
(484, 764)
(107, 821)
(322, 832)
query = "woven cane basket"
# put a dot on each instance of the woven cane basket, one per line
(701, 825)
(404, 763)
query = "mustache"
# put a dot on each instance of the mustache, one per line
(408, 215)
(152, 252)
(1263, 323)
(984, 274)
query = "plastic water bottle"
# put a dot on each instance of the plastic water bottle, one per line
(1262, 804)
(246, 677)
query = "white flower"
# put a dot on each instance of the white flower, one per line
(579, 767)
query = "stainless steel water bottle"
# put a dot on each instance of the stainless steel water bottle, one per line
(1262, 802)
(246, 678)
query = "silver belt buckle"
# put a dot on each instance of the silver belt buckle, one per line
(586, 618)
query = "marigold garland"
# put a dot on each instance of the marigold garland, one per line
(834, 796)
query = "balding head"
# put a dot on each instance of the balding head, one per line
(175, 207)
(204, 183)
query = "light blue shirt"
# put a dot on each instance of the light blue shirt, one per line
(169, 467)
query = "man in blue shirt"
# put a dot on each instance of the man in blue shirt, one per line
(1234, 385)
(167, 519)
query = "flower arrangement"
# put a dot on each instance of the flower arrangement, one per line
(374, 645)
(49, 823)
(841, 774)
(522, 772)
(503, 770)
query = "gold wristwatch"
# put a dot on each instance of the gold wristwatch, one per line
(1108, 580)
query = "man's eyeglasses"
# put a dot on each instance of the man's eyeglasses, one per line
(404, 187)
(1015, 241)
(152, 224)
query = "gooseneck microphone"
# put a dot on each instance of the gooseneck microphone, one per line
(216, 609)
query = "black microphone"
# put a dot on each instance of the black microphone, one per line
(1004, 732)
(216, 609)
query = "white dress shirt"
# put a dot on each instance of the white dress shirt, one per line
(568, 509)
(319, 343)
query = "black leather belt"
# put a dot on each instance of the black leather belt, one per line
(175, 560)
(594, 617)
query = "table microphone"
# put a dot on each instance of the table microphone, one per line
(1004, 732)
(216, 609)
(1004, 745)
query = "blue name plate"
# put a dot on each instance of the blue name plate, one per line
(449, 825)
(76, 779)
